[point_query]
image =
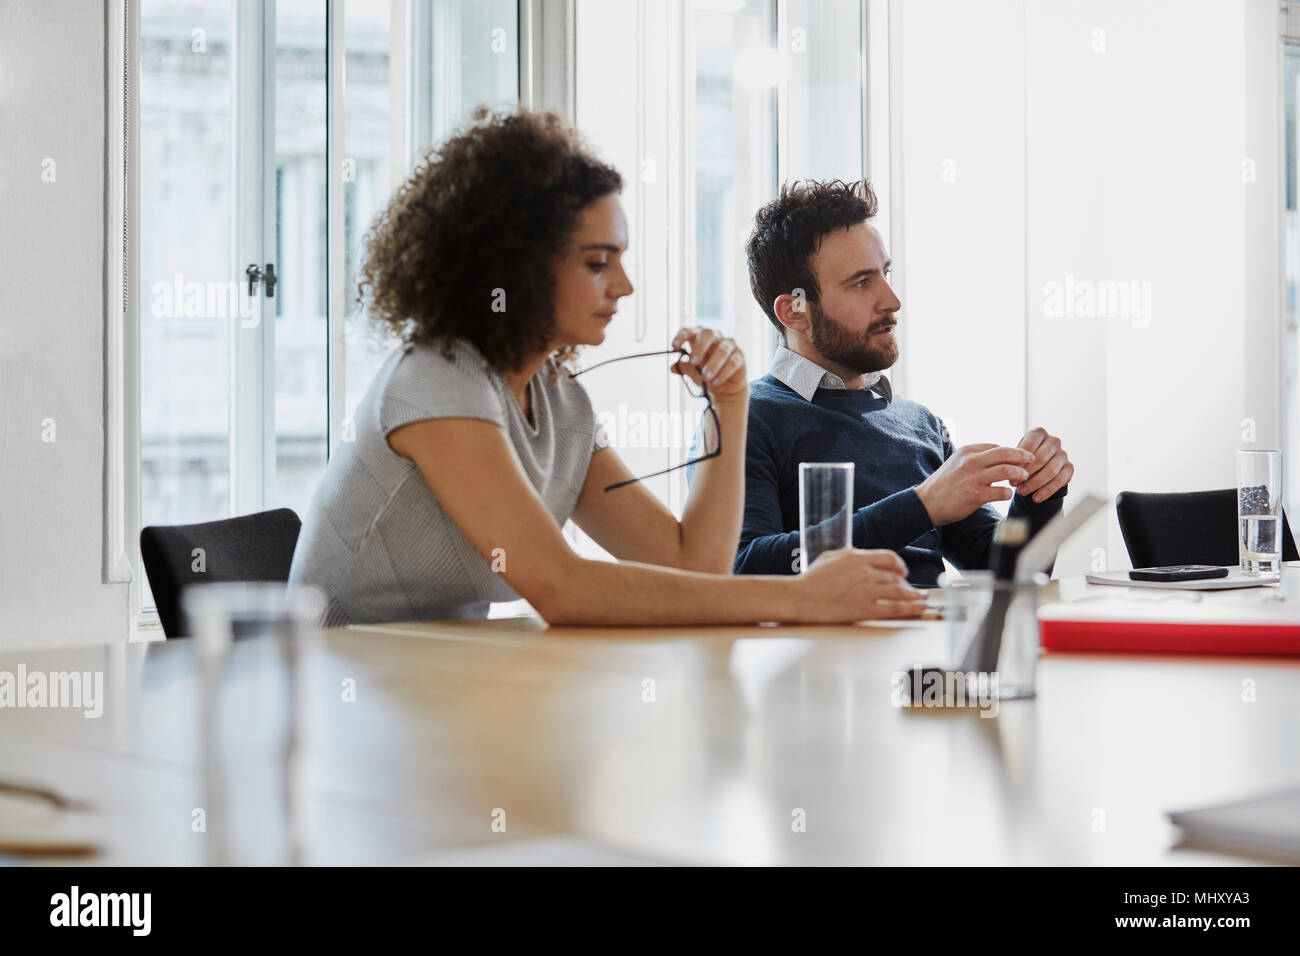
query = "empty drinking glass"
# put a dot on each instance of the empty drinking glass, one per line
(254, 643)
(825, 509)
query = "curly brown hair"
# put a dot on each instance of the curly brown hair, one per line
(482, 221)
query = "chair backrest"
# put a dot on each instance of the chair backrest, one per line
(256, 547)
(1191, 527)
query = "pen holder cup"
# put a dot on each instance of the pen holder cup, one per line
(967, 601)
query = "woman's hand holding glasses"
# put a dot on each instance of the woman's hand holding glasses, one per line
(714, 361)
(712, 367)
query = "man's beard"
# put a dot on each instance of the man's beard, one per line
(847, 349)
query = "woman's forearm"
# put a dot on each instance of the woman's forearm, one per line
(714, 510)
(629, 594)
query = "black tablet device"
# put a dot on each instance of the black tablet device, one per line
(1179, 572)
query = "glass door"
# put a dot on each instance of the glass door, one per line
(233, 325)
(189, 298)
(296, 178)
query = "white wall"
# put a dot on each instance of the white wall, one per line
(1095, 141)
(51, 328)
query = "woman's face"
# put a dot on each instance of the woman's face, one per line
(589, 277)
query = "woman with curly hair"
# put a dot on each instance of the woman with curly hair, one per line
(497, 258)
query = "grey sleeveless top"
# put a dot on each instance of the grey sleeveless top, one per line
(376, 540)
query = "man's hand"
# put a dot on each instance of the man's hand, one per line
(1050, 470)
(966, 480)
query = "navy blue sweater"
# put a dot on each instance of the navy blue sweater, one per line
(894, 446)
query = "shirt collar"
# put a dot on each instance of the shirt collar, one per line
(804, 376)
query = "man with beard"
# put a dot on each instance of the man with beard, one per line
(820, 271)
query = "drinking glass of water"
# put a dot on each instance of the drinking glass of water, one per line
(1259, 512)
(255, 643)
(825, 509)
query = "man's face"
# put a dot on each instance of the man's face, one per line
(853, 325)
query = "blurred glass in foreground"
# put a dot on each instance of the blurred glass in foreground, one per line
(255, 643)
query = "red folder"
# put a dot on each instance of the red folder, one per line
(1248, 625)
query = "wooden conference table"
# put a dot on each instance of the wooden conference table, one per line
(751, 730)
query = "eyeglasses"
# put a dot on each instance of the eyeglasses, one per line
(690, 388)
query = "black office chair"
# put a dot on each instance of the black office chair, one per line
(1191, 527)
(256, 547)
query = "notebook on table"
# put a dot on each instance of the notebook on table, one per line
(1254, 622)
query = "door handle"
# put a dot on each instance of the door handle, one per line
(255, 274)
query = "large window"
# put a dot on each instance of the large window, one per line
(272, 133)
(298, 369)
(778, 96)
(186, 188)
(706, 106)
(461, 53)
(736, 75)
(252, 359)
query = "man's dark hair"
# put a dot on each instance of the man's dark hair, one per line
(483, 219)
(788, 231)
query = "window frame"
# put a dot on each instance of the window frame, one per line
(121, 331)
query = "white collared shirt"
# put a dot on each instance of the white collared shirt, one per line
(805, 376)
